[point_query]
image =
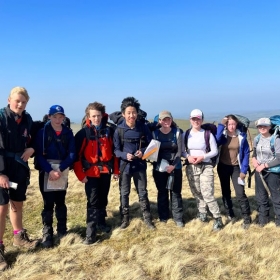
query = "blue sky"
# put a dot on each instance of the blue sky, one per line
(218, 56)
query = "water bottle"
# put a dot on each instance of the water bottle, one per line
(170, 181)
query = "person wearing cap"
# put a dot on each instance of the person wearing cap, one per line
(94, 166)
(55, 153)
(267, 182)
(199, 168)
(170, 152)
(16, 148)
(233, 164)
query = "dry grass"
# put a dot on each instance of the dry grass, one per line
(169, 252)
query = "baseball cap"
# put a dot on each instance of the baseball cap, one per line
(196, 113)
(56, 109)
(164, 114)
(263, 122)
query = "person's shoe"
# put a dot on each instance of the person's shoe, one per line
(104, 228)
(163, 221)
(125, 222)
(246, 222)
(47, 241)
(179, 224)
(232, 219)
(218, 224)
(149, 224)
(89, 240)
(21, 239)
(202, 217)
(3, 263)
(60, 235)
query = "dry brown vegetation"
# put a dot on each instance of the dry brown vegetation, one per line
(169, 252)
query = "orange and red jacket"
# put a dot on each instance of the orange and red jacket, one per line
(95, 152)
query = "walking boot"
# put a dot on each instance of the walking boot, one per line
(21, 239)
(47, 241)
(202, 217)
(145, 207)
(218, 224)
(124, 217)
(61, 216)
(3, 263)
(247, 220)
(102, 226)
(92, 218)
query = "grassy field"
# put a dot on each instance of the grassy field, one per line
(169, 252)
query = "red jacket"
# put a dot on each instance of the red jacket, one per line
(95, 152)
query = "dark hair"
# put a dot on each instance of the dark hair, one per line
(95, 106)
(233, 117)
(130, 102)
(45, 118)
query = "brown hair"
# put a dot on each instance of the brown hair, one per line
(95, 106)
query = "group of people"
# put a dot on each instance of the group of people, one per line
(98, 152)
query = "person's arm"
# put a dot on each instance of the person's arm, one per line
(177, 157)
(220, 136)
(244, 165)
(213, 148)
(68, 161)
(117, 144)
(276, 160)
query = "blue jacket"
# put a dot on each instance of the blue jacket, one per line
(244, 149)
(131, 143)
(54, 149)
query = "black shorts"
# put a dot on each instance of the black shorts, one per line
(10, 194)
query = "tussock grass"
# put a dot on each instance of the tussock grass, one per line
(169, 252)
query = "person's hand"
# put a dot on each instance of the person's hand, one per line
(85, 180)
(242, 176)
(170, 168)
(260, 167)
(138, 154)
(224, 121)
(195, 159)
(4, 182)
(54, 175)
(28, 152)
(255, 162)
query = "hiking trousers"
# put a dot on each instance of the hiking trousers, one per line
(225, 173)
(140, 182)
(201, 182)
(97, 189)
(273, 182)
(163, 195)
(54, 200)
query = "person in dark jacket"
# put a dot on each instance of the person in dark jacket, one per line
(131, 138)
(94, 166)
(170, 152)
(55, 153)
(15, 150)
(233, 164)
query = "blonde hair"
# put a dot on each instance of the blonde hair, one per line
(19, 90)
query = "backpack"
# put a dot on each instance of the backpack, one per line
(48, 139)
(209, 128)
(275, 133)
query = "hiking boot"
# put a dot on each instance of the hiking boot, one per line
(60, 235)
(3, 263)
(21, 239)
(232, 219)
(246, 222)
(179, 224)
(104, 228)
(149, 224)
(47, 241)
(202, 217)
(218, 224)
(89, 240)
(125, 221)
(163, 221)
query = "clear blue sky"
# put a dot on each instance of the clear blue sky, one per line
(219, 56)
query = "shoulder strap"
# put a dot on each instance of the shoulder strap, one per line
(187, 137)
(207, 140)
(121, 135)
